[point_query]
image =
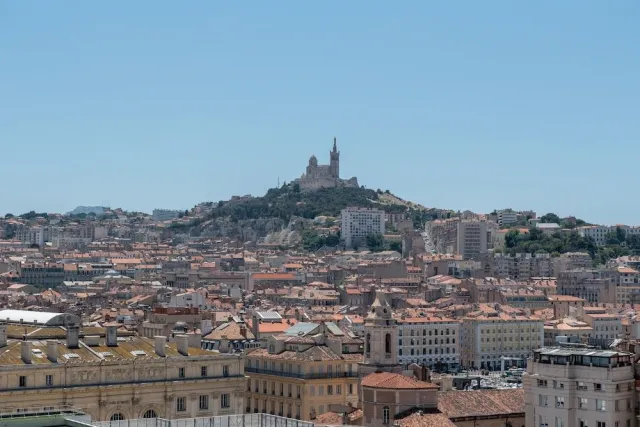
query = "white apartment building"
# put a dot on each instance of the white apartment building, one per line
(507, 217)
(430, 341)
(628, 289)
(579, 387)
(472, 238)
(599, 232)
(165, 214)
(358, 223)
(487, 337)
(30, 235)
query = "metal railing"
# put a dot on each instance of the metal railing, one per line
(245, 420)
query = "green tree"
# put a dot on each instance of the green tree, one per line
(375, 242)
(550, 218)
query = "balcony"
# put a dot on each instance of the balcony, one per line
(308, 376)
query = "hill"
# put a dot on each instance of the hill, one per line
(281, 205)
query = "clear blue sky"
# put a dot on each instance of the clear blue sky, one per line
(465, 105)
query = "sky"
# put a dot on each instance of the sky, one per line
(476, 105)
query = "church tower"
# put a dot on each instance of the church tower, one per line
(380, 338)
(334, 165)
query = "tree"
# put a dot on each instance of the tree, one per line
(375, 242)
(296, 188)
(395, 246)
(550, 218)
(8, 216)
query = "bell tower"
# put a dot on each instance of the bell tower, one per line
(334, 156)
(380, 338)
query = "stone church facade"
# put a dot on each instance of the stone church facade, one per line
(324, 176)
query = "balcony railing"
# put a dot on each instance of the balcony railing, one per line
(307, 376)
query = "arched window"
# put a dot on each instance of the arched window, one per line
(385, 415)
(150, 414)
(387, 343)
(368, 343)
(117, 417)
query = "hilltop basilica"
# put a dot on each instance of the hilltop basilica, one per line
(323, 176)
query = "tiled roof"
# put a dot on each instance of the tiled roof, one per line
(426, 420)
(456, 404)
(390, 380)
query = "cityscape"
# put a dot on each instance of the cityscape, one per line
(319, 214)
(319, 311)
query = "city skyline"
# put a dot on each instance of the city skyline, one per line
(478, 108)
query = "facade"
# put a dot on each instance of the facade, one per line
(489, 336)
(304, 371)
(165, 214)
(520, 266)
(599, 232)
(429, 341)
(579, 387)
(507, 218)
(472, 238)
(118, 378)
(324, 176)
(595, 286)
(358, 223)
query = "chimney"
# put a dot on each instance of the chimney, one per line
(243, 330)
(52, 351)
(112, 336)
(3, 335)
(255, 326)
(161, 343)
(25, 348)
(224, 344)
(73, 336)
(182, 344)
(195, 339)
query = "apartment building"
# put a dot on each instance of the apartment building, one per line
(165, 214)
(628, 289)
(443, 234)
(520, 266)
(491, 333)
(507, 217)
(358, 223)
(304, 371)
(571, 261)
(596, 286)
(472, 238)
(579, 387)
(42, 275)
(429, 341)
(113, 378)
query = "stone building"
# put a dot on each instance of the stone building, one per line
(113, 377)
(325, 176)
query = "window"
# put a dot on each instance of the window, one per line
(542, 383)
(181, 404)
(387, 343)
(601, 424)
(559, 422)
(368, 344)
(312, 390)
(49, 380)
(203, 371)
(583, 423)
(350, 388)
(180, 372)
(23, 381)
(543, 400)
(330, 390)
(601, 405)
(204, 402)
(117, 417)
(338, 389)
(225, 370)
(598, 387)
(581, 385)
(543, 422)
(582, 404)
(150, 413)
(385, 415)
(559, 401)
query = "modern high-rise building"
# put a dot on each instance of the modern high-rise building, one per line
(472, 238)
(358, 223)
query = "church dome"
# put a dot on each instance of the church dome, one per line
(313, 161)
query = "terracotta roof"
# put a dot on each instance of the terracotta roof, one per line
(390, 380)
(273, 276)
(456, 404)
(426, 420)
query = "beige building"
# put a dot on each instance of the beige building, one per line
(117, 378)
(490, 334)
(304, 371)
(579, 387)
